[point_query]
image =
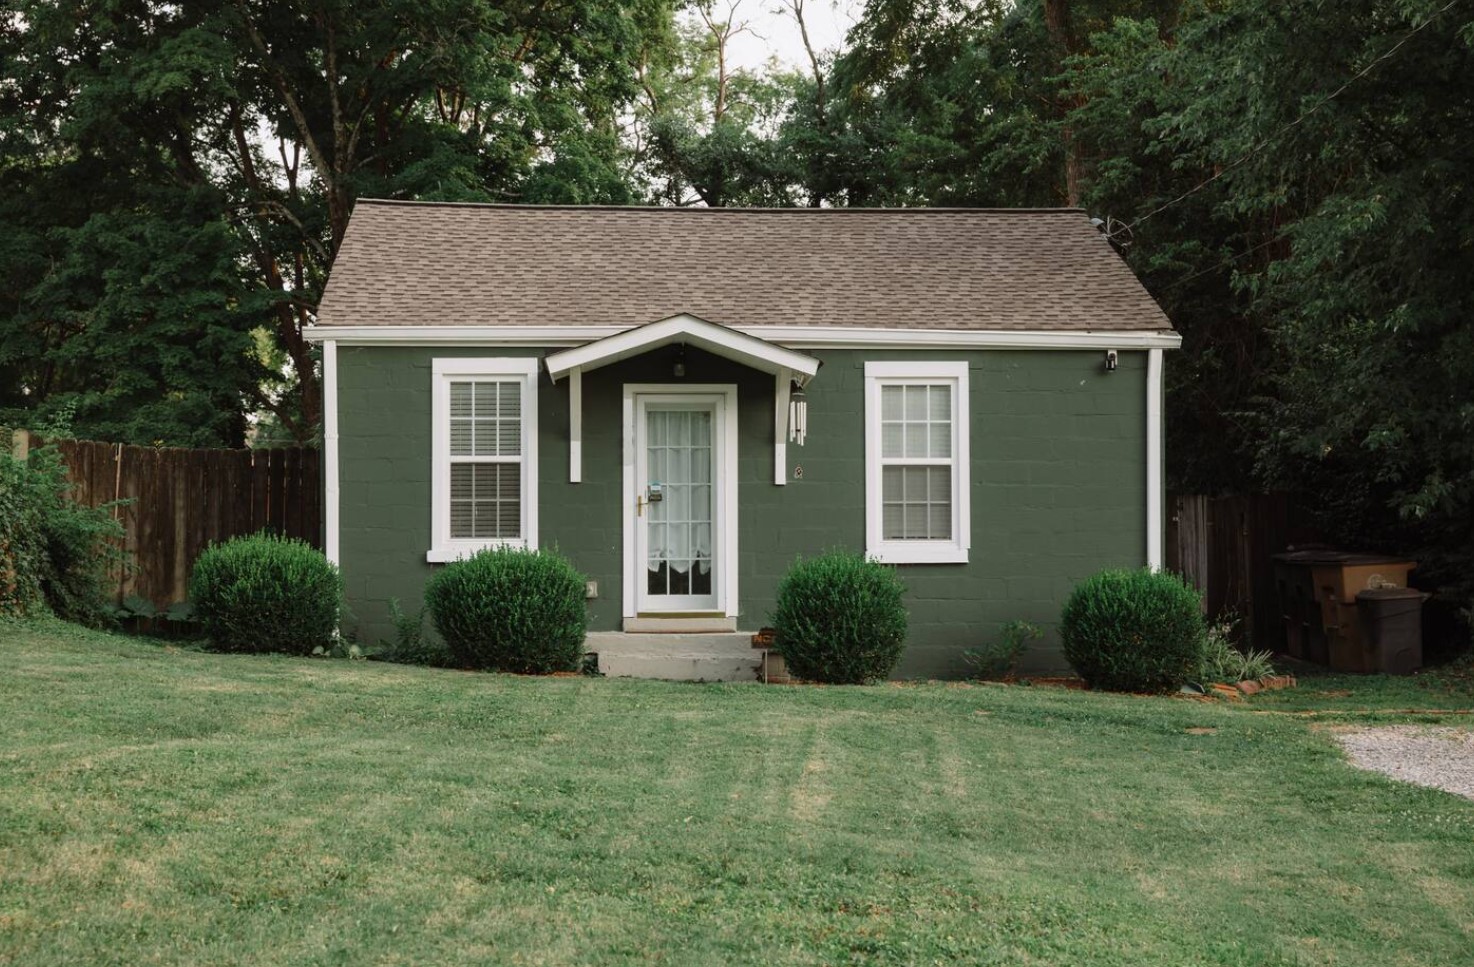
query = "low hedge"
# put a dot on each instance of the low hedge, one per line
(510, 610)
(1133, 631)
(840, 619)
(266, 593)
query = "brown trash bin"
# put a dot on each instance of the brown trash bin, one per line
(1318, 589)
(1392, 626)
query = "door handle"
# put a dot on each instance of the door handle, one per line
(640, 505)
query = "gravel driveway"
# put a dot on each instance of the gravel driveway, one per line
(1434, 756)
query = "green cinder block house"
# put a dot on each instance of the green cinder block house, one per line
(682, 401)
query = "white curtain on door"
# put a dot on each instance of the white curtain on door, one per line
(679, 460)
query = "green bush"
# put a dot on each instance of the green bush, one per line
(1223, 661)
(840, 619)
(510, 610)
(999, 657)
(1133, 631)
(266, 593)
(411, 646)
(54, 551)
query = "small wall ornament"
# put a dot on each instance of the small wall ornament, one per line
(798, 415)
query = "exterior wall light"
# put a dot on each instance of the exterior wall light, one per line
(1111, 360)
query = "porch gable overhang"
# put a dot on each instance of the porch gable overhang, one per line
(687, 329)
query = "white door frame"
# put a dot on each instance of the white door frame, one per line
(724, 496)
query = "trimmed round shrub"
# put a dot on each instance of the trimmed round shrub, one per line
(1133, 631)
(266, 593)
(840, 619)
(510, 610)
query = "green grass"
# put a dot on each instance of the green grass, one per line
(1443, 694)
(162, 805)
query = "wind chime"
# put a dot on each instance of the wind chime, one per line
(798, 415)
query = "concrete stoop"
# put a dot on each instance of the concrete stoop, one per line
(712, 657)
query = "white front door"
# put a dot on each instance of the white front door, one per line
(680, 525)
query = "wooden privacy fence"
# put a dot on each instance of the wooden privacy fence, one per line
(1225, 547)
(181, 500)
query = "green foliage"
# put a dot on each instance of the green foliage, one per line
(175, 179)
(1133, 631)
(840, 619)
(711, 134)
(134, 606)
(266, 593)
(510, 610)
(999, 657)
(54, 551)
(1224, 661)
(411, 646)
(22, 547)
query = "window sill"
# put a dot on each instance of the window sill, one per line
(456, 552)
(918, 554)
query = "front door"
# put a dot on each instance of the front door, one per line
(679, 530)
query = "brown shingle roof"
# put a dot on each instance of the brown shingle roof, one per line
(409, 264)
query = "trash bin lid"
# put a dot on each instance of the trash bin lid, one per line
(1326, 556)
(1390, 594)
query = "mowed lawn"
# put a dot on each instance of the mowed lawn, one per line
(161, 805)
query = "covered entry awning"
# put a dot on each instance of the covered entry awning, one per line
(719, 340)
(788, 367)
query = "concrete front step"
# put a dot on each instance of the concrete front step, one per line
(694, 624)
(726, 657)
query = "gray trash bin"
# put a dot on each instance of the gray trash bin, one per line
(1392, 627)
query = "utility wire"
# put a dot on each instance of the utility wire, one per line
(1223, 264)
(1260, 146)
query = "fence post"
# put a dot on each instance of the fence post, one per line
(20, 444)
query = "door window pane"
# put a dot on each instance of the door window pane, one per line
(678, 527)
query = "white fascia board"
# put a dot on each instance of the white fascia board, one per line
(835, 337)
(791, 337)
(750, 350)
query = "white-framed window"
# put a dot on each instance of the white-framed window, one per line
(484, 477)
(916, 462)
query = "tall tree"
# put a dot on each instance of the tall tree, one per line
(706, 131)
(271, 116)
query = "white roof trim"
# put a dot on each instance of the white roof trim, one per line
(792, 337)
(739, 346)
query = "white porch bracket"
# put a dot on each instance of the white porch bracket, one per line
(782, 386)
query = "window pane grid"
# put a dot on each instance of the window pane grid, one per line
(916, 503)
(916, 461)
(916, 421)
(485, 418)
(485, 501)
(485, 458)
(679, 526)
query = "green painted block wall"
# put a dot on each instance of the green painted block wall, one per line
(1058, 485)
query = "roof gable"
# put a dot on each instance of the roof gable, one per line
(430, 264)
(686, 329)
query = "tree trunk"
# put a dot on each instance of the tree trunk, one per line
(1062, 35)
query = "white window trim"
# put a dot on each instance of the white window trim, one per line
(442, 547)
(954, 551)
